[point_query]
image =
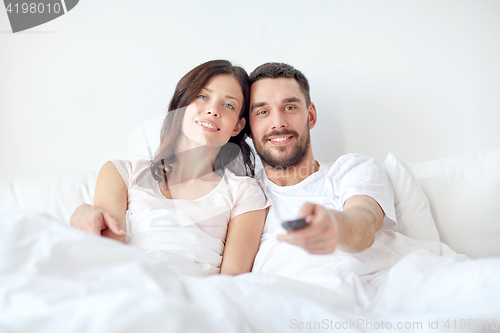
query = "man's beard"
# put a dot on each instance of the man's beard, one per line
(296, 156)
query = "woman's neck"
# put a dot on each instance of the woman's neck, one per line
(193, 161)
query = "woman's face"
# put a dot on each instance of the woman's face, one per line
(214, 115)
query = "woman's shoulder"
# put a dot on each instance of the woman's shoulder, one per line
(246, 193)
(241, 182)
(237, 178)
(132, 164)
(130, 169)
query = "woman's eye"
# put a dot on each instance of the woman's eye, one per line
(202, 96)
(229, 106)
(262, 112)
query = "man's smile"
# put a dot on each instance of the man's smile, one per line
(280, 140)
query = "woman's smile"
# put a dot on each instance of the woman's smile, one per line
(207, 125)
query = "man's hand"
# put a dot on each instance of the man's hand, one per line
(96, 221)
(350, 230)
(320, 236)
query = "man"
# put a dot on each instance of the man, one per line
(355, 186)
(344, 203)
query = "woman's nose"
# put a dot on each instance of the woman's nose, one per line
(213, 111)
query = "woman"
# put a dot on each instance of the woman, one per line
(181, 206)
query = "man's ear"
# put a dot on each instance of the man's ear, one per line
(239, 126)
(313, 116)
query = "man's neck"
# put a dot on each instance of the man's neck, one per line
(287, 176)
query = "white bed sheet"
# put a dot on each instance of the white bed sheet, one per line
(57, 279)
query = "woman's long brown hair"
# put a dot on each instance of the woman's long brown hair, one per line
(188, 88)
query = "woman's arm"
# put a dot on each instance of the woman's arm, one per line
(111, 196)
(242, 242)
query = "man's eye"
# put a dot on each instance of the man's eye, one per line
(202, 96)
(262, 112)
(229, 106)
(290, 108)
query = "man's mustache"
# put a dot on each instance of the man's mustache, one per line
(280, 132)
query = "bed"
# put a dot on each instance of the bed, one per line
(439, 272)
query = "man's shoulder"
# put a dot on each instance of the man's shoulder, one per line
(352, 157)
(347, 163)
(349, 160)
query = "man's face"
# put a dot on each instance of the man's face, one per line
(280, 121)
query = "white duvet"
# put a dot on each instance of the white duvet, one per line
(57, 279)
(174, 238)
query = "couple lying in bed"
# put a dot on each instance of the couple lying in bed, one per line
(196, 204)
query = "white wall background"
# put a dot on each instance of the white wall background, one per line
(420, 79)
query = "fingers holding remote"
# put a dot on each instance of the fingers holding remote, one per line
(318, 236)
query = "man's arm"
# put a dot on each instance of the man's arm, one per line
(351, 230)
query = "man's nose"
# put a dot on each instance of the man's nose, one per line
(278, 121)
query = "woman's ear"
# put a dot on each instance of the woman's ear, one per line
(239, 126)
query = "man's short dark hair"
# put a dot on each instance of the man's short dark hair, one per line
(274, 70)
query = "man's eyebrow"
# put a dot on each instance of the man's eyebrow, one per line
(227, 96)
(291, 100)
(257, 105)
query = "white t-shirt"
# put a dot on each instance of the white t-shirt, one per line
(330, 186)
(187, 234)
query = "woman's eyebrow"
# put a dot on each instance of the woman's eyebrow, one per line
(231, 97)
(227, 96)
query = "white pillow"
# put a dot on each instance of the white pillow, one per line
(144, 140)
(413, 213)
(464, 195)
(56, 193)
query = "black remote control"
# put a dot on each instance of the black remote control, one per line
(294, 224)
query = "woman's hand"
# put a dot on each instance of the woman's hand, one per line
(95, 221)
(108, 215)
